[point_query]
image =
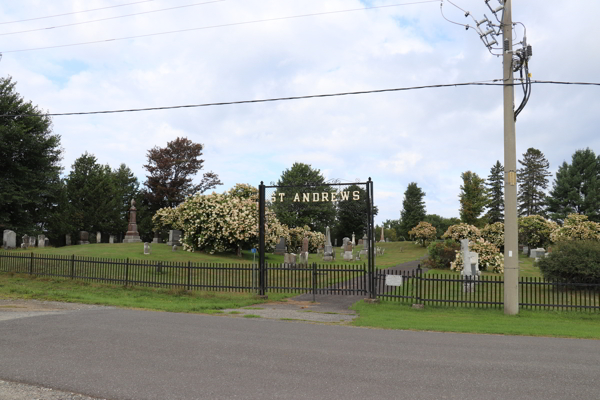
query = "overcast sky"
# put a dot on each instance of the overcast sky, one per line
(425, 136)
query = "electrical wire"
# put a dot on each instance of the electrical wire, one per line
(109, 18)
(220, 26)
(74, 12)
(492, 82)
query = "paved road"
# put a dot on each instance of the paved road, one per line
(130, 354)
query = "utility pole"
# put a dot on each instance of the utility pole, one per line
(511, 233)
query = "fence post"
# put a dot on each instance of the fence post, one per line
(189, 275)
(73, 266)
(31, 264)
(418, 284)
(127, 271)
(314, 280)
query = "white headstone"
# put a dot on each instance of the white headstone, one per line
(353, 239)
(464, 249)
(9, 239)
(41, 240)
(67, 240)
(98, 237)
(146, 248)
(111, 239)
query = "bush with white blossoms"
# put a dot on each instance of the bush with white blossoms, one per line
(423, 232)
(494, 233)
(297, 235)
(462, 231)
(490, 258)
(219, 222)
(576, 227)
(535, 230)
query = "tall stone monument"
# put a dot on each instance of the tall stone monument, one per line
(353, 239)
(132, 235)
(328, 252)
(174, 238)
(382, 239)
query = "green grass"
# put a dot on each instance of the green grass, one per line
(388, 315)
(17, 286)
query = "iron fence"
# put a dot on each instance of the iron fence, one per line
(485, 291)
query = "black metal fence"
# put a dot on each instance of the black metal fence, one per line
(483, 291)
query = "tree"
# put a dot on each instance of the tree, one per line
(473, 198)
(352, 215)
(495, 189)
(533, 180)
(127, 189)
(413, 209)
(424, 232)
(302, 178)
(441, 224)
(172, 170)
(93, 196)
(29, 163)
(576, 188)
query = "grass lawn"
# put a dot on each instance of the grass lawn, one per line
(388, 315)
(395, 253)
(20, 286)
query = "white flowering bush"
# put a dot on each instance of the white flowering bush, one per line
(535, 230)
(220, 222)
(297, 235)
(576, 227)
(423, 232)
(462, 231)
(490, 258)
(494, 233)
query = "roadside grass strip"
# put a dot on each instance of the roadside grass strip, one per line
(389, 315)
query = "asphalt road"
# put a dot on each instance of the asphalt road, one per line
(129, 354)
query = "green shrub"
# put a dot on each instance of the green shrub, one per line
(576, 261)
(441, 254)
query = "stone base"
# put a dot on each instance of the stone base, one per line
(372, 301)
(173, 244)
(418, 306)
(132, 240)
(328, 258)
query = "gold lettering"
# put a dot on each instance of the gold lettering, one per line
(345, 195)
(333, 195)
(281, 195)
(273, 198)
(324, 196)
(315, 196)
(355, 195)
(296, 198)
(306, 197)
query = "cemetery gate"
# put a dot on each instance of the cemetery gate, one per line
(317, 205)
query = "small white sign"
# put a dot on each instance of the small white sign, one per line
(393, 280)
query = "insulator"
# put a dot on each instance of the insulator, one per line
(483, 21)
(498, 9)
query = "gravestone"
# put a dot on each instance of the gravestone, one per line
(280, 248)
(470, 270)
(67, 240)
(23, 246)
(335, 242)
(132, 235)
(46, 242)
(84, 237)
(328, 251)
(25, 241)
(111, 239)
(348, 251)
(525, 249)
(9, 239)
(156, 238)
(353, 239)
(31, 241)
(304, 253)
(98, 237)
(345, 242)
(365, 250)
(538, 253)
(41, 241)
(146, 248)
(174, 248)
(360, 242)
(382, 239)
(289, 259)
(174, 238)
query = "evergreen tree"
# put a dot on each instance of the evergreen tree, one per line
(29, 164)
(127, 189)
(495, 189)
(302, 178)
(576, 188)
(352, 216)
(413, 209)
(533, 179)
(473, 198)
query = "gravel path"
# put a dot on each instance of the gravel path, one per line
(20, 391)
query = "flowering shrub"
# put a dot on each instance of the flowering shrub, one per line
(534, 230)
(462, 231)
(441, 254)
(297, 235)
(494, 234)
(424, 232)
(576, 227)
(490, 258)
(220, 222)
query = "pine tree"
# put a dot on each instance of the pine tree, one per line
(473, 198)
(533, 179)
(576, 188)
(495, 188)
(413, 209)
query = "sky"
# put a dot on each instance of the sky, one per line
(427, 136)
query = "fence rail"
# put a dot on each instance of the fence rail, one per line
(413, 286)
(486, 291)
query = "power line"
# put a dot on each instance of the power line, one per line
(220, 26)
(109, 18)
(74, 12)
(493, 82)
